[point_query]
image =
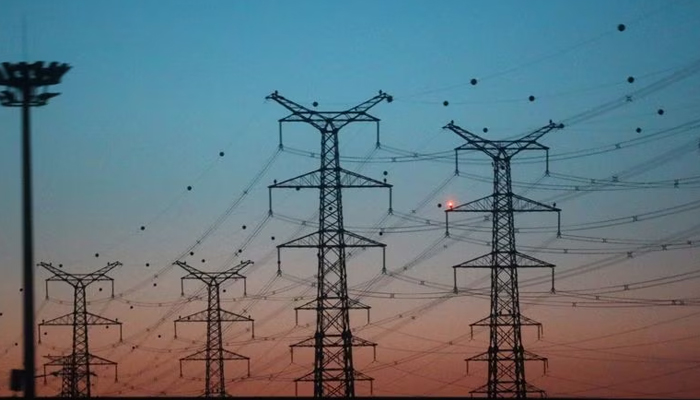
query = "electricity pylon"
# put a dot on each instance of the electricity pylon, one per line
(334, 374)
(213, 353)
(506, 355)
(75, 367)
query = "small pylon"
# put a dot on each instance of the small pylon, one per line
(75, 367)
(334, 374)
(214, 353)
(506, 355)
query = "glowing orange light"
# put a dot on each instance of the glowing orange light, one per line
(450, 204)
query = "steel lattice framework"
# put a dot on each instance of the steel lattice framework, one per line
(506, 355)
(214, 353)
(334, 374)
(75, 367)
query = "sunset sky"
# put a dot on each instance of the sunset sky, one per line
(166, 95)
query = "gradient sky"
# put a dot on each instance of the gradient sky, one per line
(159, 89)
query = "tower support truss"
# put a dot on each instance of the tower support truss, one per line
(334, 374)
(506, 355)
(214, 353)
(75, 367)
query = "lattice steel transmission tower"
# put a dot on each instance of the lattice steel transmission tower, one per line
(75, 367)
(214, 353)
(506, 355)
(334, 374)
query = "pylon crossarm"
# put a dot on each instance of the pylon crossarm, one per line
(227, 316)
(526, 261)
(94, 319)
(79, 279)
(523, 204)
(485, 261)
(289, 104)
(484, 204)
(238, 268)
(474, 142)
(97, 360)
(308, 180)
(359, 342)
(355, 240)
(232, 273)
(479, 357)
(57, 360)
(530, 356)
(100, 274)
(308, 240)
(299, 112)
(484, 146)
(537, 134)
(199, 316)
(357, 305)
(353, 304)
(349, 179)
(229, 355)
(366, 105)
(312, 180)
(486, 321)
(67, 319)
(198, 356)
(58, 273)
(531, 322)
(308, 342)
(194, 273)
(359, 376)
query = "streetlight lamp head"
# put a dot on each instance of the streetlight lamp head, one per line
(26, 84)
(7, 98)
(46, 96)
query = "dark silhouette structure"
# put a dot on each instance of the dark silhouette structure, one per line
(26, 86)
(334, 374)
(506, 355)
(75, 367)
(214, 353)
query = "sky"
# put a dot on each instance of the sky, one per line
(163, 96)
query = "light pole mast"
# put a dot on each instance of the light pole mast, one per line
(25, 86)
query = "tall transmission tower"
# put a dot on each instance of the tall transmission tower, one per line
(334, 374)
(75, 367)
(213, 353)
(506, 355)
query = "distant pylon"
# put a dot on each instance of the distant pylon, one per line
(75, 367)
(214, 353)
(506, 355)
(334, 374)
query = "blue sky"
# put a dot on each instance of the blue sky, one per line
(159, 89)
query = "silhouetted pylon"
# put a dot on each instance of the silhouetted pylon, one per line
(214, 353)
(75, 367)
(506, 355)
(334, 374)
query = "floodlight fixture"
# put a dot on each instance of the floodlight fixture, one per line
(26, 84)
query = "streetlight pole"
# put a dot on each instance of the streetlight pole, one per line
(26, 86)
